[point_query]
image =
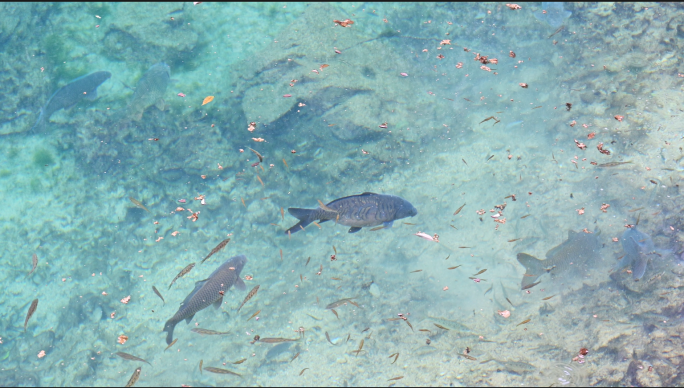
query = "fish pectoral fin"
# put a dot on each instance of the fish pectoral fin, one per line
(188, 319)
(161, 105)
(240, 285)
(388, 224)
(218, 303)
(354, 229)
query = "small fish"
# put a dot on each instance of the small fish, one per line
(377, 228)
(260, 181)
(335, 312)
(209, 332)
(635, 210)
(253, 315)
(338, 303)
(528, 286)
(300, 373)
(182, 273)
(523, 322)
(285, 163)
(31, 310)
(138, 204)
(409, 324)
(407, 223)
(282, 213)
(201, 361)
(447, 258)
(208, 100)
(418, 270)
(459, 209)
(295, 356)
(277, 340)
(158, 294)
(396, 378)
(509, 301)
(261, 158)
(396, 356)
(316, 223)
(71, 93)
(249, 296)
(307, 261)
(548, 297)
(220, 246)
(281, 255)
(537, 107)
(243, 202)
(613, 164)
(464, 162)
(465, 247)
(327, 336)
(130, 357)
(359, 349)
(515, 239)
(487, 119)
(525, 216)
(134, 378)
(336, 278)
(221, 371)
(489, 158)
(454, 267)
(467, 356)
(481, 271)
(171, 344)
(561, 28)
(240, 361)
(440, 326)
(34, 264)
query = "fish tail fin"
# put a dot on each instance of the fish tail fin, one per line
(305, 217)
(168, 327)
(533, 269)
(39, 121)
(639, 267)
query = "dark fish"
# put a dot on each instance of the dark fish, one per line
(200, 365)
(356, 211)
(31, 310)
(249, 296)
(240, 361)
(158, 294)
(578, 250)
(327, 336)
(218, 248)
(261, 158)
(639, 249)
(613, 164)
(207, 292)
(130, 357)
(517, 367)
(34, 264)
(73, 92)
(209, 332)
(221, 371)
(528, 286)
(182, 273)
(134, 378)
(150, 90)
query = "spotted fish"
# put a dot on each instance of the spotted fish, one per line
(71, 93)
(579, 249)
(207, 292)
(639, 249)
(356, 211)
(150, 90)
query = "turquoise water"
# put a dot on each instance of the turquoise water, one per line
(402, 109)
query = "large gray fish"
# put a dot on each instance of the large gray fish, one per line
(73, 92)
(357, 211)
(573, 253)
(639, 249)
(207, 292)
(150, 90)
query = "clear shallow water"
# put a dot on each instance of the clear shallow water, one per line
(66, 190)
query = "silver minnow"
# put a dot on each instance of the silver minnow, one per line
(639, 249)
(207, 292)
(357, 211)
(150, 90)
(71, 93)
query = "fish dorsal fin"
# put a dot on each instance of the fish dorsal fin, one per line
(368, 193)
(324, 207)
